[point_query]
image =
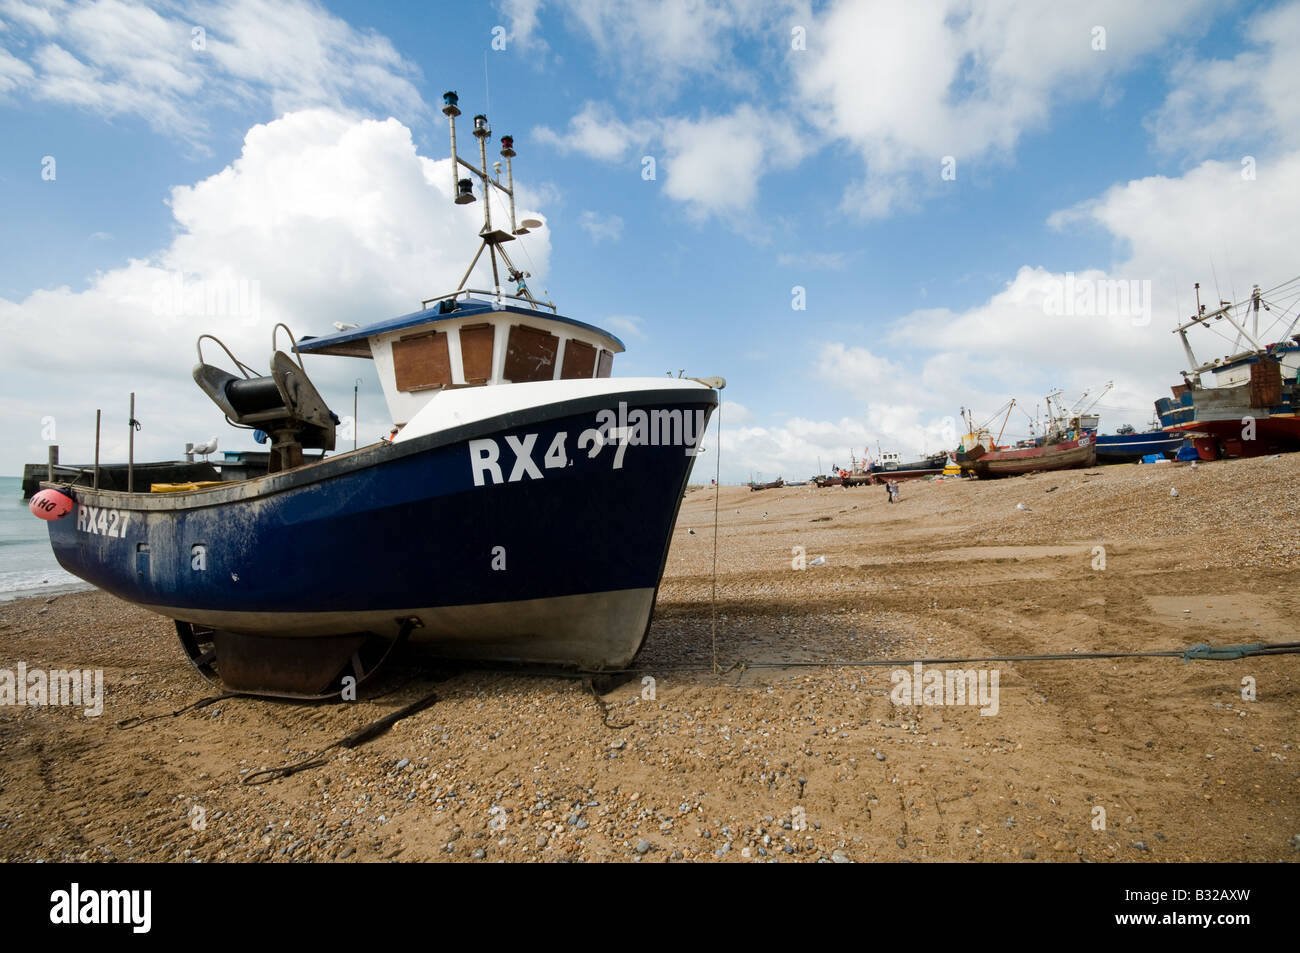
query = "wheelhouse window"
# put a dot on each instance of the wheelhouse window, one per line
(530, 355)
(476, 344)
(421, 362)
(579, 360)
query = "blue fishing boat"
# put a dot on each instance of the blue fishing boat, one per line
(521, 510)
(1127, 445)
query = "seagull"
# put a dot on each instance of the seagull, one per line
(1173, 491)
(765, 514)
(1021, 506)
(206, 448)
(345, 327)
(690, 532)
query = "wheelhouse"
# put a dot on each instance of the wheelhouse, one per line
(471, 339)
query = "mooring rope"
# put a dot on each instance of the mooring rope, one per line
(135, 721)
(354, 740)
(1201, 652)
(605, 709)
(717, 493)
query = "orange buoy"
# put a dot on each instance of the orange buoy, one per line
(51, 505)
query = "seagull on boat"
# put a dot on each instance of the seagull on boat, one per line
(339, 325)
(206, 448)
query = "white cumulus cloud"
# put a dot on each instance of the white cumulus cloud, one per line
(171, 65)
(321, 218)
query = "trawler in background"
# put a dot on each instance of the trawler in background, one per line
(521, 511)
(890, 466)
(1068, 442)
(1249, 408)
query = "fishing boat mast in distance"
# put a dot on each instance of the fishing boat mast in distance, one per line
(522, 511)
(1250, 406)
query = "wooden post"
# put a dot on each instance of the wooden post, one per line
(98, 414)
(130, 453)
(53, 462)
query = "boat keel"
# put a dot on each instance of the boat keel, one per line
(303, 668)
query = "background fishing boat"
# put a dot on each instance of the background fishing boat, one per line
(1251, 404)
(1069, 442)
(1127, 445)
(891, 466)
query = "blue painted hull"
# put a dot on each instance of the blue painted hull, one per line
(535, 567)
(1127, 447)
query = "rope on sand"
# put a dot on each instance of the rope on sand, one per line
(354, 740)
(1199, 652)
(135, 721)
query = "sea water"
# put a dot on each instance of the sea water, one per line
(27, 563)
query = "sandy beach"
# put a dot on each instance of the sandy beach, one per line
(775, 758)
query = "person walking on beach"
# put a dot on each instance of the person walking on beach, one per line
(892, 489)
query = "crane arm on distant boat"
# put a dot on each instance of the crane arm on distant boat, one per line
(1083, 410)
(994, 416)
(1011, 405)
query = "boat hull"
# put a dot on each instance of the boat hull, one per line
(506, 538)
(1276, 433)
(932, 466)
(1126, 448)
(1060, 456)
(1256, 416)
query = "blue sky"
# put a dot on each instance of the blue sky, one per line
(795, 146)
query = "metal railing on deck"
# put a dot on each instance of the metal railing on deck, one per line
(466, 292)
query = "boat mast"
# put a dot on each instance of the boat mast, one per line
(1222, 313)
(1079, 411)
(463, 190)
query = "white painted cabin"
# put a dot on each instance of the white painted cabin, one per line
(470, 339)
